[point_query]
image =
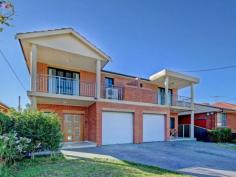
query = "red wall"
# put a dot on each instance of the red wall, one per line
(201, 120)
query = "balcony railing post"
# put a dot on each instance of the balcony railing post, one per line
(59, 85)
(192, 112)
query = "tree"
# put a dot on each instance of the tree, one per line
(6, 13)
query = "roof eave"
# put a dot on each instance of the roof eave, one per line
(35, 34)
(166, 72)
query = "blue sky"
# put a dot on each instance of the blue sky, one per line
(142, 37)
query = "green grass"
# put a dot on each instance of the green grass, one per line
(62, 167)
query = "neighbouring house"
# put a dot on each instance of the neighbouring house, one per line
(210, 117)
(67, 77)
(3, 107)
(229, 118)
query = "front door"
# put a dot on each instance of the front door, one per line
(72, 128)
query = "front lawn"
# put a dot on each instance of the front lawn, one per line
(64, 167)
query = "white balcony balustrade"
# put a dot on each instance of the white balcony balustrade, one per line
(66, 86)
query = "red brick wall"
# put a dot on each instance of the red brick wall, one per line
(231, 121)
(138, 123)
(92, 118)
(132, 90)
(87, 85)
(60, 110)
(137, 94)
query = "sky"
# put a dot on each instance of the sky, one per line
(142, 37)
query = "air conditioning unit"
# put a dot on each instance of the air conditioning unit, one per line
(112, 93)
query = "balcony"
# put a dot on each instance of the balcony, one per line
(112, 92)
(174, 100)
(144, 95)
(64, 86)
(75, 87)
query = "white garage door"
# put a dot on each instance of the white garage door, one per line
(117, 128)
(153, 127)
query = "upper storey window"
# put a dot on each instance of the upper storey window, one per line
(109, 82)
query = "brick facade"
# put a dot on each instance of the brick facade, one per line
(133, 90)
(92, 117)
(231, 121)
(60, 110)
(138, 121)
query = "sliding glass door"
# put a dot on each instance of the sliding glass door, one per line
(63, 82)
(161, 96)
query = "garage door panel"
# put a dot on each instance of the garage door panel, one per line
(153, 127)
(117, 128)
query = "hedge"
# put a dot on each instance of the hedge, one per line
(41, 129)
(220, 135)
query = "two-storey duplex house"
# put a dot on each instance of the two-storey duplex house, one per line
(104, 107)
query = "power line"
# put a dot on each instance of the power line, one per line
(11, 68)
(211, 69)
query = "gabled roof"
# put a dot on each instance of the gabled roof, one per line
(217, 107)
(225, 105)
(44, 33)
(203, 108)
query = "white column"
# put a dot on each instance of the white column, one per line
(166, 90)
(192, 112)
(98, 78)
(33, 103)
(33, 60)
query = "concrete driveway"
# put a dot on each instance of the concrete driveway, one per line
(195, 158)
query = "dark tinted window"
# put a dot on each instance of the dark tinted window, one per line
(172, 122)
(109, 82)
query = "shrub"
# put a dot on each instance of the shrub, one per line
(22, 133)
(220, 135)
(43, 129)
(13, 147)
(6, 123)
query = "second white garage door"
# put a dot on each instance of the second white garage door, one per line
(153, 127)
(117, 128)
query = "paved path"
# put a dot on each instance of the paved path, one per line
(195, 158)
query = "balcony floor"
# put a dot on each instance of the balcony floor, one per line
(60, 99)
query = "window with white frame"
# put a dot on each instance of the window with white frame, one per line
(221, 120)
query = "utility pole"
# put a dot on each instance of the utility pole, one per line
(19, 103)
